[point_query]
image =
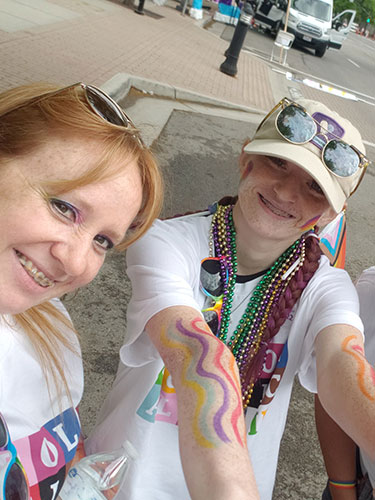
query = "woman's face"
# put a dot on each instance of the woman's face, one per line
(50, 244)
(279, 200)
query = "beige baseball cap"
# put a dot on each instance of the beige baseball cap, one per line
(330, 125)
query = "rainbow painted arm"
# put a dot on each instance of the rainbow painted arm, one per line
(211, 424)
(346, 383)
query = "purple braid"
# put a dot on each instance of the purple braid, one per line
(285, 304)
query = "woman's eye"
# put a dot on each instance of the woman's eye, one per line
(315, 187)
(277, 162)
(104, 242)
(64, 209)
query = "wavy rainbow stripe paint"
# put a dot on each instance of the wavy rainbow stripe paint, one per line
(198, 378)
(357, 352)
(200, 428)
(237, 412)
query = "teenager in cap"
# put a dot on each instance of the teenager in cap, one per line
(245, 279)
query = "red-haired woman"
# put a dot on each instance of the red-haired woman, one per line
(74, 177)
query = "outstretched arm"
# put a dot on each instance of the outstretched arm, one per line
(211, 423)
(346, 383)
(339, 453)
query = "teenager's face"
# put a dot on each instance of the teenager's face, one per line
(50, 244)
(279, 200)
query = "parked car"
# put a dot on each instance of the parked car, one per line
(310, 21)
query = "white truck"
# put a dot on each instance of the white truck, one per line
(309, 20)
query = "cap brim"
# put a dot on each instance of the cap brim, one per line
(305, 159)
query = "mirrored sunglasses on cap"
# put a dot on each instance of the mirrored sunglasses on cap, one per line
(13, 482)
(297, 126)
(100, 103)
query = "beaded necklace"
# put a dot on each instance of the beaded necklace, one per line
(247, 337)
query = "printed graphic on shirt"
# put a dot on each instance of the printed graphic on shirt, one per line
(44, 454)
(160, 403)
(272, 373)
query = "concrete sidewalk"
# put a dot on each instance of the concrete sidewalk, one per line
(75, 40)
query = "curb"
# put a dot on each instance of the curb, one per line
(119, 86)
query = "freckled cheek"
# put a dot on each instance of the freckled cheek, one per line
(247, 198)
(243, 192)
(313, 206)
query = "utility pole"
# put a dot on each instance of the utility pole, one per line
(285, 27)
(139, 10)
(229, 66)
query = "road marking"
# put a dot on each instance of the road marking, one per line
(355, 64)
(312, 76)
(321, 86)
(366, 102)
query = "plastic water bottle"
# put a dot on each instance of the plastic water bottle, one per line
(97, 473)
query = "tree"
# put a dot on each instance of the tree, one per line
(365, 9)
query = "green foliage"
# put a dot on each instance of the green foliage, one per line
(340, 5)
(365, 9)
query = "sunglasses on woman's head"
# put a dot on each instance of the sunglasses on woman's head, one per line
(297, 126)
(212, 286)
(101, 104)
(13, 482)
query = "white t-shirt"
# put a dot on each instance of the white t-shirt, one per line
(366, 291)
(44, 429)
(164, 267)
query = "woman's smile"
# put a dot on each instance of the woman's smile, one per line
(34, 272)
(275, 199)
(270, 206)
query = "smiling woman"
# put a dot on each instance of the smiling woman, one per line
(60, 242)
(75, 181)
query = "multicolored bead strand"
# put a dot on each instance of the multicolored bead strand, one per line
(246, 339)
(225, 247)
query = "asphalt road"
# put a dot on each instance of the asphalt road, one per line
(351, 67)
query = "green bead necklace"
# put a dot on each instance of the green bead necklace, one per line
(246, 339)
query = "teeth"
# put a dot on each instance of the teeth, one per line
(275, 210)
(34, 272)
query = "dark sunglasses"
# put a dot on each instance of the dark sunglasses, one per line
(297, 126)
(13, 481)
(212, 286)
(101, 104)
